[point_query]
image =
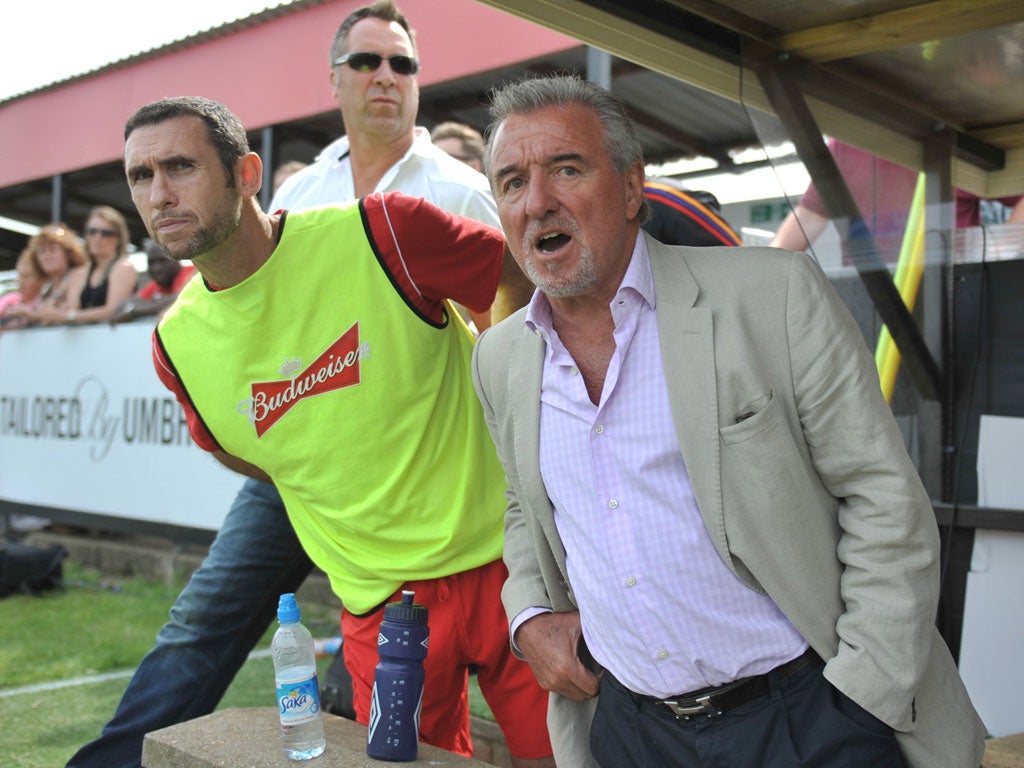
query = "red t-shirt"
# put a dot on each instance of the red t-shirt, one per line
(153, 289)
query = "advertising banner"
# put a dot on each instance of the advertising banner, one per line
(86, 425)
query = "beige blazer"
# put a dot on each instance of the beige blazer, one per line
(801, 476)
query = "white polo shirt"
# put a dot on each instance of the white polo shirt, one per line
(424, 171)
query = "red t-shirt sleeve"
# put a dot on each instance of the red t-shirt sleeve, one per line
(165, 372)
(435, 255)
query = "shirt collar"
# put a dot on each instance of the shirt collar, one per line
(421, 144)
(638, 278)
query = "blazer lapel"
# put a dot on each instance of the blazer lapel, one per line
(525, 371)
(686, 335)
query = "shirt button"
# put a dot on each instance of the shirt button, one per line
(613, 504)
(631, 581)
(662, 654)
(599, 429)
(574, 370)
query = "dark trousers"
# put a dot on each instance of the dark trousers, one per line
(801, 722)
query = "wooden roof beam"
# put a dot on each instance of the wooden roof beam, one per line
(895, 29)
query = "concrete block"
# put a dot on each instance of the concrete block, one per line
(489, 742)
(251, 738)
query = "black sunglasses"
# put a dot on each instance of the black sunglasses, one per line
(370, 62)
(89, 231)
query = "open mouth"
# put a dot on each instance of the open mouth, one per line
(552, 242)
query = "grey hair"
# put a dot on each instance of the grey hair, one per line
(525, 96)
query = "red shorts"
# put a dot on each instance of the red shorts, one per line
(467, 626)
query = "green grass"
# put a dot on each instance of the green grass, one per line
(86, 629)
(94, 627)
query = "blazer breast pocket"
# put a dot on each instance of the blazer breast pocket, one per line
(753, 419)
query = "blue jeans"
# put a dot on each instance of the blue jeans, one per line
(216, 621)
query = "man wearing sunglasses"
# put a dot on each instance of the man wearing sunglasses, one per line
(231, 600)
(374, 62)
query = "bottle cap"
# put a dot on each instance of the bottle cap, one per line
(287, 609)
(407, 610)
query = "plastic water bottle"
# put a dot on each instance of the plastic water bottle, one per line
(398, 682)
(298, 691)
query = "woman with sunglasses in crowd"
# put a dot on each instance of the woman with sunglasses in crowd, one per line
(110, 277)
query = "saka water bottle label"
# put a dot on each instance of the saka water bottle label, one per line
(298, 700)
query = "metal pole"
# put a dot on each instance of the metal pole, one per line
(57, 199)
(599, 67)
(269, 160)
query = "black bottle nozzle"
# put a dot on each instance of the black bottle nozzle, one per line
(407, 610)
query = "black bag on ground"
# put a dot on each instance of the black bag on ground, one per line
(27, 568)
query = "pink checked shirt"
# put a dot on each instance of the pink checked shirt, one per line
(659, 608)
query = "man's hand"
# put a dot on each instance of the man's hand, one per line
(549, 642)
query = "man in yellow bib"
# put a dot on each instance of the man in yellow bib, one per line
(320, 351)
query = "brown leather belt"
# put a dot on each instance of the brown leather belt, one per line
(714, 701)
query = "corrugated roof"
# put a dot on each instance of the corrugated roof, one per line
(220, 30)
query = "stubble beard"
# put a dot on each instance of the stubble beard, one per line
(582, 279)
(221, 227)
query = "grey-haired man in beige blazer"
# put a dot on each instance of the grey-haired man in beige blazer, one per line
(706, 487)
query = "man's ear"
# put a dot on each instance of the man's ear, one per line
(248, 174)
(634, 190)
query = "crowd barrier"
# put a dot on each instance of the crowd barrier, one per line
(89, 434)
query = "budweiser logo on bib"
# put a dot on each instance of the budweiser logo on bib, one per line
(337, 367)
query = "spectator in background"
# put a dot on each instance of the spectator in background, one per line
(683, 217)
(58, 255)
(373, 74)
(110, 278)
(461, 142)
(167, 278)
(883, 192)
(31, 282)
(284, 172)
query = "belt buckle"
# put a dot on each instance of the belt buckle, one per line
(703, 706)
